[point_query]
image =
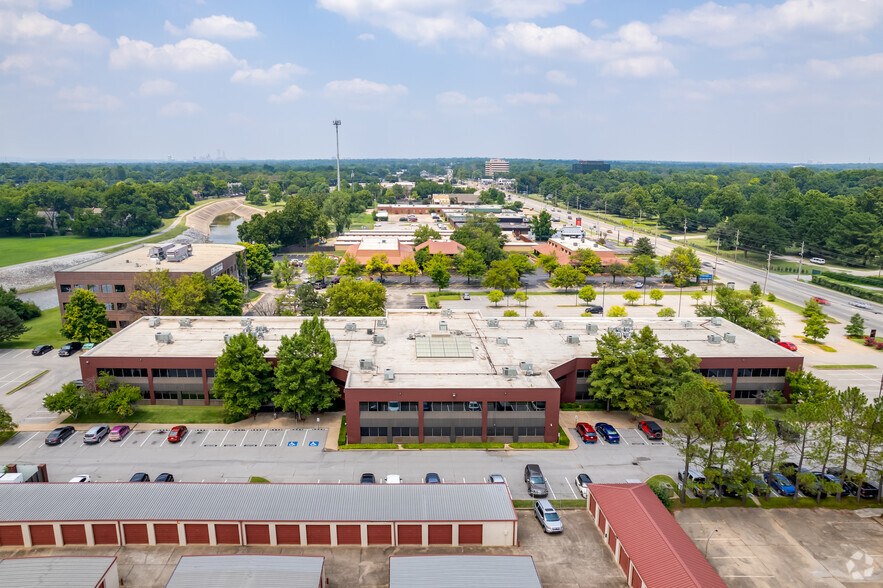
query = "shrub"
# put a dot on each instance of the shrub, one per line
(539, 313)
(869, 342)
(771, 297)
(879, 345)
(617, 311)
(666, 312)
(341, 437)
(662, 494)
(510, 313)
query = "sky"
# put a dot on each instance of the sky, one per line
(775, 81)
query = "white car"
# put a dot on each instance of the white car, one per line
(817, 260)
(858, 304)
(393, 479)
(79, 479)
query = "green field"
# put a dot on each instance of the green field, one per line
(161, 414)
(44, 331)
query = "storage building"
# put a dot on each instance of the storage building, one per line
(456, 571)
(247, 571)
(67, 571)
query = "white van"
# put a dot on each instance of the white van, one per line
(817, 260)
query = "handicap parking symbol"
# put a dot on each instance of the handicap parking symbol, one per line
(314, 443)
(292, 443)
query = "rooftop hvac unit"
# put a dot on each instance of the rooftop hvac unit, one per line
(729, 337)
(526, 367)
(389, 374)
(350, 327)
(557, 325)
(529, 323)
(573, 339)
(510, 372)
(381, 323)
(153, 321)
(502, 340)
(447, 312)
(228, 336)
(245, 322)
(411, 336)
(716, 321)
(627, 322)
(493, 323)
(379, 340)
(333, 340)
(163, 337)
(369, 331)
(442, 325)
(592, 329)
(687, 324)
(366, 364)
(184, 322)
(179, 252)
(715, 338)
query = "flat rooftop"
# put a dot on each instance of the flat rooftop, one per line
(455, 571)
(240, 571)
(68, 571)
(204, 256)
(439, 348)
(574, 243)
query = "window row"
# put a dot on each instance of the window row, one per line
(583, 374)
(210, 373)
(762, 372)
(176, 373)
(745, 394)
(174, 394)
(717, 372)
(473, 406)
(103, 288)
(125, 372)
(388, 406)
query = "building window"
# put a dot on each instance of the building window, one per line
(79, 287)
(210, 373)
(405, 432)
(124, 324)
(467, 431)
(65, 287)
(92, 288)
(106, 288)
(176, 373)
(192, 396)
(121, 306)
(717, 372)
(145, 394)
(500, 431)
(373, 431)
(530, 431)
(746, 394)
(437, 431)
(582, 374)
(108, 306)
(762, 372)
(125, 372)
(111, 324)
(119, 288)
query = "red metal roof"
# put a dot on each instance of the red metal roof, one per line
(661, 551)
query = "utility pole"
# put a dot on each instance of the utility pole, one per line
(800, 263)
(656, 236)
(736, 252)
(714, 270)
(336, 123)
(685, 231)
(633, 227)
(769, 259)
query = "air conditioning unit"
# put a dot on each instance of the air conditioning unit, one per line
(627, 322)
(526, 366)
(245, 322)
(529, 323)
(687, 324)
(715, 338)
(389, 374)
(510, 372)
(716, 321)
(573, 339)
(381, 323)
(153, 321)
(369, 331)
(493, 323)
(350, 327)
(163, 337)
(447, 312)
(557, 325)
(502, 340)
(184, 322)
(228, 336)
(730, 337)
(592, 329)
(442, 325)
(366, 364)
(379, 340)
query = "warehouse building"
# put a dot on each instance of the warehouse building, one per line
(256, 514)
(456, 571)
(236, 571)
(112, 278)
(67, 571)
(438, 376)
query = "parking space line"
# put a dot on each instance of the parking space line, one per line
(304, 442)
(29, 438)
(264, 437)
(225, 438)
(552, 492)
(566, 481)
(126, 439)
(146, 438)
(207, 433)
(165, 438)
(282, 443)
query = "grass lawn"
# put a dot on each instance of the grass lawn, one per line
(818, 344)
(24, 249)
(185, 415)
(771, 410)
(361, 220)
(44, 331)
(258, 480)
(856, 366)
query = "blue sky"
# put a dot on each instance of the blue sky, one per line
(775, 81)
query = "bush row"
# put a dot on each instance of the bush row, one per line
(853, 279)
(848, 289)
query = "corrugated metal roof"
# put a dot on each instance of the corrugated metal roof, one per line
(456, 571)
(255, 502)
(245, 571)
(38, 572)
(662, 552)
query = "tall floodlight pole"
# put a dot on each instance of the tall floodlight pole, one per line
(336, 124)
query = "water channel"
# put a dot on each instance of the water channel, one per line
(223, 228)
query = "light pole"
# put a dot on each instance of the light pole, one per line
(336, 123)
(603, 291)
(707, 540)
(680, 296)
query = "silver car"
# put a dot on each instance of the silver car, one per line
(96, 434)
(548, 516)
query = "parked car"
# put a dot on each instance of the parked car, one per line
(177, 433)
(761, 488)
(729, 486)
(788, 345)
(833, 482)
(69, 348)
(393, 479)
(586, 433)
(466, 296)
(536, 483)
(335, 280)
(694, 480)
(548, 516)
(773, 338)
(96, 434)
(119, 432)
(367, 478)
(41, 349)
(496, 479)
(595, 309)
(432, 478)
(164, 477)
(779, 483)
(80, 479)
(789, 470)
(651, 430)
(820, 300)
(582, 482)
(855, 303)
(639, 284)
(474, 406)
(78, 382)
(817, 260)
(403, 219)
(786, 432)
(851, 486)
(607, 432)
(810, 487)
(140, 477)
(58, 436)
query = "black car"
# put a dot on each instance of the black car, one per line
(595, 309)
(165, 478)
(140, 477)
(41, 349)
(57, 436)
(432, 478)
(69, 348)
(851, 486)
(368, 478)
(833, 483)
(761, 488)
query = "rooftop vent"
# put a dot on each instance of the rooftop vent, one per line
(369, 331)
(333, 340)
(163, 337)
(389, 374)
(381, 323)
(715, 338)
(687, 324)
(729, 337)
(510, 372)
(228, 336)
(261, 330)
(442, 325)
(447, 312)
(350, 327)
(366, 364)
(526, 367)
(530, 323)
(245, 322)
(502, 340)
(153, 321)
(574, 339)
(379, 340)
(493, 323)
(716, 321)
(411, 336)
(592, 329)
(627, 322)
(184, 322)
(557, 325)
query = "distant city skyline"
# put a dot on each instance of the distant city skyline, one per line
(782, 81)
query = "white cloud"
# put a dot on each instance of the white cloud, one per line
(273, 75)
(566, 42)
(364, 94)
(456, 102)
(218, 26)
(185, 55)
(560, 77)
(860, 66)
(366, 37)
(34, 27)
(644, 66)
(532, 98)
(598, 23)
(157, 88)
(83, 99)
(179, 108)
(518, 9)
(290, 94)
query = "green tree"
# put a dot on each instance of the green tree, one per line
(283, 273)
(150, 296)
(437, 268)
(803, 417)
(683, 264)
(410, 268)
(666, 312)
(816, 329)
(25, 310)
(586, 261)
(258, 260)
(618, 269)
(643, 247)
(68, 399)
(85, 319)
(853, 403)
(567, 277)
(697, 296)
(275, 193)
(856, 326)
(424, 233)
(121, 400)
(631, 296)
(522, 298)
(230, 295)
(510, 313)
(495, 296)
(350, 267)
(356, 298)
(626, 372)
(542, 226)
(691, 412)
(243, 377)
(755, 290)
(522, 264)
(548, 262)
(378, 264)
(617, 311)
(191, 295)
(11, 326)
(656, 295)
(745, 311)
(806, 386)
(481, 233)
(644, 266)
(6, 422)
(587, 294)
(422, 257)
(320, 265)
(471, 264)
(502, 275)
(303, 363)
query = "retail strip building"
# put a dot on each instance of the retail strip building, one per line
(438, 376)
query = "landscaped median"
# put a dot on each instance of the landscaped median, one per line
(157, 413)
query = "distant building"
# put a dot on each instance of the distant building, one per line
(441, 199)
(394, 249)
(443, 247)
(505, 182)
(496, 166)
(584, 167)
(564, 248)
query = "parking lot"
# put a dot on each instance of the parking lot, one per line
(17, 366)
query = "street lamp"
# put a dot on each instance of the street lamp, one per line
(603, 290)
(707, 540)
(681, 295)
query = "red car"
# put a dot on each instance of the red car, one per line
(820, 300)
(788, 345)
(587, 433)
(650, 429)
(177, 433)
